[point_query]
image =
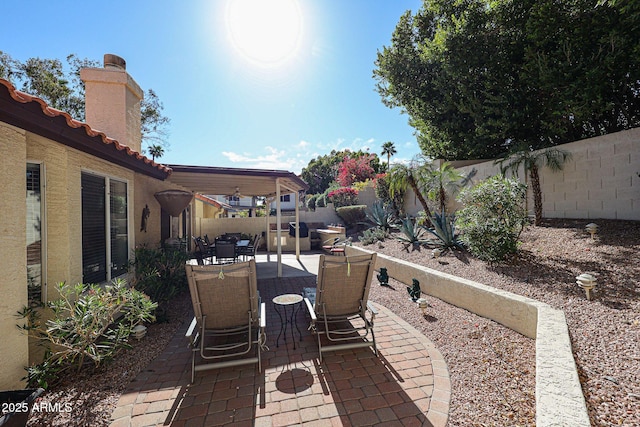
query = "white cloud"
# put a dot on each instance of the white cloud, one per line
(303, 144)
(274, 160)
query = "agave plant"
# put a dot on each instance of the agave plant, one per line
(412, 233)
(380, 216)
(444, 229)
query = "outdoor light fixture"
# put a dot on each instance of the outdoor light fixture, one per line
(436, 253)
(422, 303)
(592, 229)
(139, 331)
(587, 282)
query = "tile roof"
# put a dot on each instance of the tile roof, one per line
(25, 98)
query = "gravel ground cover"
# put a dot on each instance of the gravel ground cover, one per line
(88, 398)
(492, 370)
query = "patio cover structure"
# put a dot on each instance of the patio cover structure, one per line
(249, 182)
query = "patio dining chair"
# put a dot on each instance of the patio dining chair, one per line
(225, 252)
(228, 328)
(250, 251)
(340, 310)
(203, 251)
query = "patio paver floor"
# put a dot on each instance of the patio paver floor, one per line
(407, 385)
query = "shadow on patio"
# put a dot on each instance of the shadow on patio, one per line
(407, 385)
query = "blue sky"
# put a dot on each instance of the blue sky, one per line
(231, 104)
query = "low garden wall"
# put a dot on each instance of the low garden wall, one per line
(559, 398)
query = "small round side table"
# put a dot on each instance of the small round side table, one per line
(284, 301)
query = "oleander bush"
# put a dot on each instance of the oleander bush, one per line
(88, 323)
(492, 218)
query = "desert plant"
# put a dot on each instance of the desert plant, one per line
(532, 161)
(372, 235)
(411, 233)
(380, 216)
(352, 215)
(492, 218)
(344, 196)
(88, 322)
(444, 229)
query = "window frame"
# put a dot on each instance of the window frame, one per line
(107, 225)
(43, 225)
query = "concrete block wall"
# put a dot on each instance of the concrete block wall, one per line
(559, 398)
(602, 180)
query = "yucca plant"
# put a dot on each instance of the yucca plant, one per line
(444, 229)
(380, 216)
(412, 233)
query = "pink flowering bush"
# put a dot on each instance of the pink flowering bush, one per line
(344, 196)
(355, 170)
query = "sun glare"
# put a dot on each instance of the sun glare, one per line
(265, 32)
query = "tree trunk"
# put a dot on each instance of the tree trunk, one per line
(423, 202)
(537, 194)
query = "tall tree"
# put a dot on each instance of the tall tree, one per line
(478, 77)
(388, 149)
(532, 162)
(60, 86)
(323, 170)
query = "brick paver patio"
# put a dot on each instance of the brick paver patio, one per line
(407, 385)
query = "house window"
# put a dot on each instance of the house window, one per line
(35, 226)
(285, 198)
(105, 230)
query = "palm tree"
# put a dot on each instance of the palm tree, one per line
(444, 182)
(156, 151)
(389, 149)
(532, 161)
(403, 176)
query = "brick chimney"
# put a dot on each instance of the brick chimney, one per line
(112, 101)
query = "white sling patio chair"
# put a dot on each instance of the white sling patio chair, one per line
(229, 324)
(339, 311)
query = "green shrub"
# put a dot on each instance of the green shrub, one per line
(160, 273)
(492, 218)
(311, 201)
(321, 201)
(89, 322)
(372, 235)
(352, 215)
(344, 196)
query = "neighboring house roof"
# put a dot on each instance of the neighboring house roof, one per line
(210, 201)
(34, 115)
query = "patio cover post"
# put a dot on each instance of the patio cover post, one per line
(297, 228)
(278, 227)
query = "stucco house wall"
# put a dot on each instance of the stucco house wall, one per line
(30, 132)
(14, 352)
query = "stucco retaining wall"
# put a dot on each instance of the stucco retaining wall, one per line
(559, 398)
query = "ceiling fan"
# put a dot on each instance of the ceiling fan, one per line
(236, 193)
